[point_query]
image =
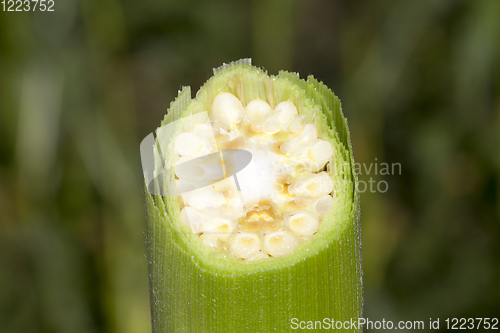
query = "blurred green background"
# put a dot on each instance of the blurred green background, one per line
(82, 86)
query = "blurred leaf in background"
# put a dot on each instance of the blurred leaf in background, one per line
(81, 86)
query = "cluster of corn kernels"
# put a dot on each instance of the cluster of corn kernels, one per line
(287, 194)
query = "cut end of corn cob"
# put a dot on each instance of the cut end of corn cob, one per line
(258, 166)
(281, 195)
(251, 187)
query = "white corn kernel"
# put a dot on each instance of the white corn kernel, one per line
(303, 224)
(323, 205)
(319, 154)
(218, 227)
(304, 139)
(210, 241)
(258, 256)
(200, 171)
(192, 218)
(287, 111)
(315, 185)
(203, 131)
(205, 199)
(233, 209)
(234, 206)
(281, 118)
(245, 245)
(297, 124)
(256, 111)
(182, 159)
(184, 186)
(280, 243)
(209, 146)
(188, 171)
(188, 144)
(228, 109)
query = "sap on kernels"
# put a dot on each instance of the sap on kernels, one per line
(255, 222)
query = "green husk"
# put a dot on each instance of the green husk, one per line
(194, 289)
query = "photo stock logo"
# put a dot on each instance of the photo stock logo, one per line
(169, 175)
(375, 171)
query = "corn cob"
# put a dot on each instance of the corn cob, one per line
(247, 250)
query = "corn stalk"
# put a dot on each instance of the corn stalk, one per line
(195, 290)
